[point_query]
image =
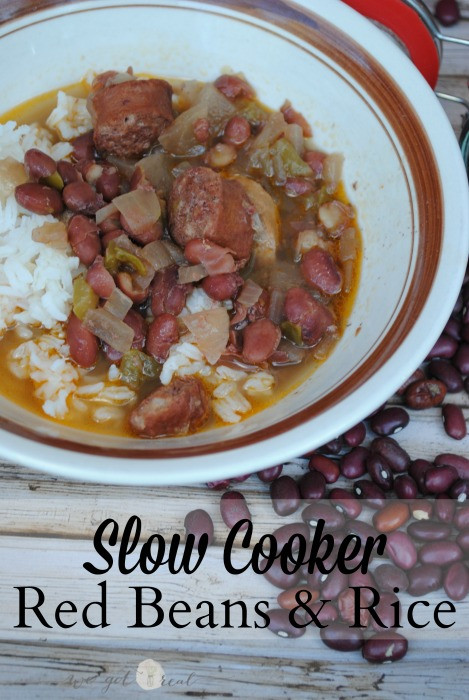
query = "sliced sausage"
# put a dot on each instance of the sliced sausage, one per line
(176, 409)
(222, 287)
(320, 271)
(163, 332)
(313, 317)
(84, 238)
(82, 343)
(167, 296)
(130, 116)
(203, 204)
(99, 279)
(260, 340)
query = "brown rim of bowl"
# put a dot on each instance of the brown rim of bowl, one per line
(383, 91)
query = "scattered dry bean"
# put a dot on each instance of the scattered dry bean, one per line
(233, 508)
(454, 421)
(389, 421)
(384, 647)
(425, 394)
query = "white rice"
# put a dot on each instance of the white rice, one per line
(16, 140)
(70, 118)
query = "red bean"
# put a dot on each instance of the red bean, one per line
(320, 271)
(395, 456)
(389, 421)
(447, 373)
(418, 374)
(327, 467)
(341, 637)
(260, 340)
(353, 464)
(279, 624)
(384, 647)
(385, 610)
(197, 523)
(109, 183)
(285, 495)
(447, 12)
(346, 502)
(460, 490)
(425, 394)
(388, 577)
(453, 328)
(454, 421)
(380, 472)
(313, 317)
(356, 435)
(240, 479)
(202, 130)
(38, 164)
(391, 517)
(461, 518)
(322, 511)
(288, 599)
(456, 581)
(237, 131)
(222, 287)
(80, 197)
(83, 147)
(39, 199)
(463, 541)
(163, 332)
(333, 584)
(284, 533)
(421, 509)
(424, 579)
(444, 508)
(270, 474)
(440, 479)
(440, 553)
(233, 508)
(370, 492)
(460, 463)
(67, 172)
(83, 344)
(360, 579)
(333, 447)
(445, 347)
(298, 186)
(325, 613)
(429, 531)
(84, 238)
(280, 578)
(417, 471)
(99, 279)
(312, 486)
(219, 485)
(405, 487)
(361, 529)
(401, 550)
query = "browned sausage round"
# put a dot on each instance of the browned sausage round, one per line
(84, 238)
(83, 147)
(38, 164)
(320, 271)
(83, 344)
(39, 199)
(163, 332)
(80, 197)
(181, 407)
(99, 279)
(222, 287)
(313, 318)
(260, 340)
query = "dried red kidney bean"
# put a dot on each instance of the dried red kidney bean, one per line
(285, 495)
(240, 479)
(316, 511)
(440, 553)
(453, 329)
(425, 394)
(384, 647)
(388, 577)
(385, 610)
(353, 464)
(421, 509)
(456, 581)
(401, 550)
(461, 518)
(461, 358)
(465, 338)
(440, 479)
(341, 637)
(454, 421)
(417, 471)
(289, 599)
(463, 540)
(281, 626)
(233, 508)
(39, 199)
(396, 457)
(346, 604)
(218, 485)
(445, 347)
(447, 12)
(429, 531)
(282, 579)
(354, 436)
(418, 374)
(38, 164)
(444, 508)
(361, 529)
(284, 533)
(391, 517)
(389, 421)
(333, 447)
(405, 487)
(379, 470)
(424, 579)
(312, 486)
(370, 492)
(460, 490)
(270, 474)
(333, 584)
(460, 463)
(325, 612)
(327, 467)
(363, 580)
(346, 502)
(198, 522)
(447, 373)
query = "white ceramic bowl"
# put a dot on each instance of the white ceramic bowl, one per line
(403, 171)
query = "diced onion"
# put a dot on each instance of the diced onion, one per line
(117, 334)
(277, 300)
(294, 133)
(307, 240)
(105, 212)
(157, 170)
(293, 354)
(118, 304)
(119, 78)
(141, 209)
(250, 293)
(12, 173)
(210, 329)
(332, 170)
(157, 255)
(53, 234)
(191, 273)
(175, 252)
(274, 127)
(334, 216)
(348, 245)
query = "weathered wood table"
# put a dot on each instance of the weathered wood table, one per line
(47, 526)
